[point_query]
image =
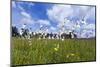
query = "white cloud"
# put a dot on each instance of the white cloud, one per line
(59, 12)
(17, 5)
(22, 3)
(26, 17)
(90, 14)
(33, 21)
(69, 24)
(31, 4)
(88, 30)
(27, 21)
(52, 28)
(25, 14)
(21, 8)
(43, 22)
(89, 26)
(87, 34)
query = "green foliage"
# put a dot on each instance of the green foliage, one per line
(46, 51)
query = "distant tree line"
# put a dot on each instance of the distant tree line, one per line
(25, 33)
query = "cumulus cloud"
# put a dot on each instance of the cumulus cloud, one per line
(27, 21)
(80, 11)
(76, 17)
(87, 33)
(59, 12)
(88, 30)
(52, 28)
(27, 18)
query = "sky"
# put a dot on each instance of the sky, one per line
(55, 18)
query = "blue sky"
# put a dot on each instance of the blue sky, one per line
(52, 17)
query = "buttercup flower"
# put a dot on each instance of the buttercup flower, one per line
(56, 49)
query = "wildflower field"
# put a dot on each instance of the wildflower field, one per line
(47, 51)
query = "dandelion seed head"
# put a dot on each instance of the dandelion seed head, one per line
(62, 39)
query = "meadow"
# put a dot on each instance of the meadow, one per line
(47, 51)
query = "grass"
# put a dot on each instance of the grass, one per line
(52, 51)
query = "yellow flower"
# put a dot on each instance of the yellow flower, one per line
(67, 56)
(56, 49)
(72, 54)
